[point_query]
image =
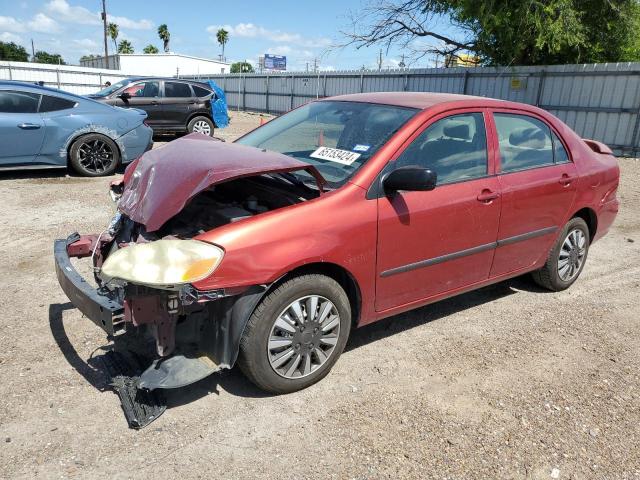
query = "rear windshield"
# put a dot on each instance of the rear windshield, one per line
(336, 137)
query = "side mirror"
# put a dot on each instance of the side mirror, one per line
(409, 179)
(125, 96)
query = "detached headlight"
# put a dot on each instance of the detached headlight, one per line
(163, 262)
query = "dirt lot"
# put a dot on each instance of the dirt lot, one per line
(506, 382)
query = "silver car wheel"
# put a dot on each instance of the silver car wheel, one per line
(303, 336)
(202, 127)
(572, 254)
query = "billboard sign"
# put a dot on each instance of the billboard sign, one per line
(275, 62)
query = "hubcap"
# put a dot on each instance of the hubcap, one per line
(572, 254)
(202, 127)
(95, 156)
(303, 337)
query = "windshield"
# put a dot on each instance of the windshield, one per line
(336, 137)
(109, 90)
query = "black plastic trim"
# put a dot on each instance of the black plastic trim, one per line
(526, 236)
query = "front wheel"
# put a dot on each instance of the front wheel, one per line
(201, 125)
(296, 334)
(567, 257)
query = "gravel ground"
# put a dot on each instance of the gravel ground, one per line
(505, 382)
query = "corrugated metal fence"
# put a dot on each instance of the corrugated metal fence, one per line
(599, 101)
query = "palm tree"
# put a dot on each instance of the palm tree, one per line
(163, 33)
(113, 33)
(150, 49)
(125, 47)
(223, 37)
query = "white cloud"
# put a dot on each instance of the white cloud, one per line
(132, 24)
(64, 11)
(86, 43)
(10, 37)
(44, 24)
(250, 30)
(10, 24)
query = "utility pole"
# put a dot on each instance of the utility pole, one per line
(33, 52)
(104, 24)
(315, 65)
(380, 60)
(402, 64)
(307, 67)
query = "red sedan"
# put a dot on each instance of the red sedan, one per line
(342, 212)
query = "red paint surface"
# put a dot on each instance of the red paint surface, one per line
(365, 237)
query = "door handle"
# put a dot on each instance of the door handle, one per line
(566, 180)
(29, 126)
(487, 196)
(154, 103)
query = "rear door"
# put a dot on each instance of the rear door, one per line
(21, 127)
(442, 240)
(538, 184)
(177, 104)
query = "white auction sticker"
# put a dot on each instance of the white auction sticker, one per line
(335, 155)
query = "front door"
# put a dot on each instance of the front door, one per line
(21, 127)
(145, 96)
(441, 240)
(538, 184)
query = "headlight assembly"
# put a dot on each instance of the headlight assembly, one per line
(163, 263)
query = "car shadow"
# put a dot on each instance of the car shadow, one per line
(234, 382)
(33, 174)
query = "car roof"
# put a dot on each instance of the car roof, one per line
(29, 86)
(420, 100)
(168, 79)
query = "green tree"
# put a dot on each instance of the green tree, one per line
(85, 58)
(504, 32)
(241, 67)
(114, 31)
(125, 47)
(165, 36)
(223, 37)
(14, 52)
(150, 49)
(45, 57)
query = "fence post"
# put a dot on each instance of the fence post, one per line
(324, 86)
(293, 79)
(58, 77)
(635, 148)
(543, 74)
(100, 79)
(465, 82)
(266, 101)
(10, 74)
(406, 82)
(361, 82)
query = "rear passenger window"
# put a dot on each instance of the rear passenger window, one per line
(18, 102)
(53, 104)
(455, 148)
(525, 142)
(200, 92)
(559, 153)
(175, 89)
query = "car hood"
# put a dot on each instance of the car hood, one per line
(159, 184)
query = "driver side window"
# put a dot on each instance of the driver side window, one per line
(144, 89)
(455, 148)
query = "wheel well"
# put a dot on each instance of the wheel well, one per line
(201, 115)
(337, 273)
(72, 142)
(590, 218)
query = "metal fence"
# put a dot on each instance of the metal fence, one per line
(599, 101)
(78, 80)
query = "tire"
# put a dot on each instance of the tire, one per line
(202, 125)
(556, 276)
(258, 357)
(94, 155)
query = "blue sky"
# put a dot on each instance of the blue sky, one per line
(301, 30)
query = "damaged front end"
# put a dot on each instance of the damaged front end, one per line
(147, 260)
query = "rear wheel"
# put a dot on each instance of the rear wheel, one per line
(567, 257)
(201, 125)
(296, 334)
(94, 155)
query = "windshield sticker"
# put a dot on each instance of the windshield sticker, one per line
(344, 157)
(361, 148)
